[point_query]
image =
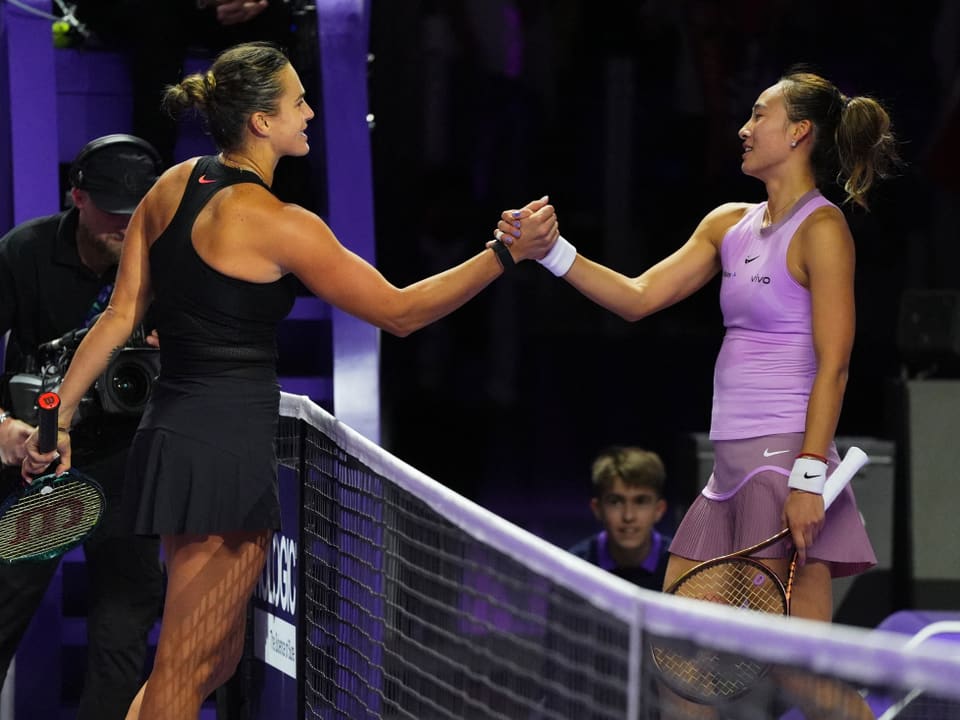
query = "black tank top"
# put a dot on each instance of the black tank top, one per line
(209, 322)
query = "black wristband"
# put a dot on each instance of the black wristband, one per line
(503, 254)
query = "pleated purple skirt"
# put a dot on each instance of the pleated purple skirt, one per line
(743, 501)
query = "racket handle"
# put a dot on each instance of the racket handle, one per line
(48, 405)
(841, 477)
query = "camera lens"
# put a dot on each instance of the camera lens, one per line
(126, 384)
(131, 385)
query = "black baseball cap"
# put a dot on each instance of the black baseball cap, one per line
(117, 171)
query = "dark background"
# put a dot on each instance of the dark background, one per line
(626, 114)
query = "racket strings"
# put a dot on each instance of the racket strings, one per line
(739, 583)
(707, 675)
(46, 520)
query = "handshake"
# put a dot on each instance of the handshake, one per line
(536, 221)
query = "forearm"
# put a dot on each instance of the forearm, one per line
(608, 288)
(823, 410)
(669, 281)
(434, 297)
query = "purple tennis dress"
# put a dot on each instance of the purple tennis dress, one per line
(762, 381)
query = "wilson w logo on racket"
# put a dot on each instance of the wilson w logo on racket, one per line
(709, 677)
(52, 514)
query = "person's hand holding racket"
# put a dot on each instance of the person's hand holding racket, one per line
(805, 509)
(54, 512)
(39, 455)
(804, 514)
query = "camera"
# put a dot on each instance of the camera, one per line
(122, 389)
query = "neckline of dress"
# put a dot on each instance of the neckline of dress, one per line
(794, 209)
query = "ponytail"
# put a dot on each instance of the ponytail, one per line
(853, 143)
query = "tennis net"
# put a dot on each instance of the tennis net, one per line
(417, 603)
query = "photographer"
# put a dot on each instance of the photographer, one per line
(56, 275)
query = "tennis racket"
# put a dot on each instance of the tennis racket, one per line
(709, 677)
(52, 514)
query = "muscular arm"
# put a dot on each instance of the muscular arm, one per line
(821, 257)
(672, 279)
(826, 260)
(308, 248)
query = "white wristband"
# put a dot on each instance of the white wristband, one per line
(560, 257)
(808, 474)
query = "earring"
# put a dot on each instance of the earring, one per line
(793, 144)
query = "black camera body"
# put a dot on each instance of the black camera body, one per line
(122, 389)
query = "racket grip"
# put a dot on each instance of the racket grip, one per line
(841, 477)
(48, 406)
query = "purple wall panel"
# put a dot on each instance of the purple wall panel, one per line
(32, 112)
(93, 92)
(6, 165)
(343, 30)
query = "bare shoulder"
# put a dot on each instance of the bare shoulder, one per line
(824, 243)
(172, 181)
(734, 210)
(827, 226)
(718, 221)
(287, 233)
(299, 228)
(161, 202)
(255, 202)
(824, 219)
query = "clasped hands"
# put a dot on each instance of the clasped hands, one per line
(529, 232)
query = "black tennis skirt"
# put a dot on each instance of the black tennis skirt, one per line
(203, 460)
